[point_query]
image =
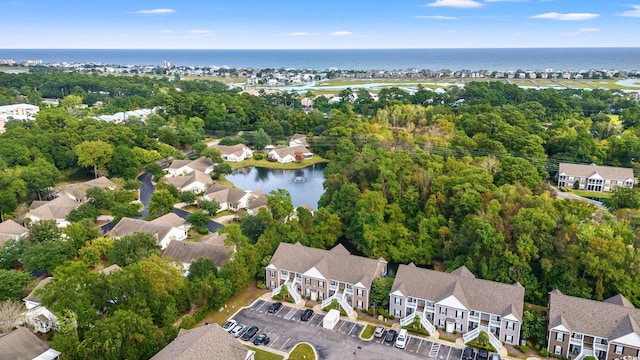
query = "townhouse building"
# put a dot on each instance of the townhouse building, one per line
(581, 327)
(324, 275)
(594, 177)
(459, 302)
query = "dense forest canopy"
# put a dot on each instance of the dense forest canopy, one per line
(457, 178)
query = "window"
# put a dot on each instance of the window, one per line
(619, 182)
(349, 286)
(272, 273)
(458, 327)
(320, 295)
(272, 284)
(334, 283)
(559, 337)
(570, 178)
(557, 350)
(509, 339)
(307, 281)
(321, 284)
(607, 182)
(308, 292)
(577, 336)
(359, 292)
(473, 313)
(398, 301)
(619, 349)
(298, 275)
(459, 314)
(443, 310)
(397, 313)
(430, 303)
(510, 325)
(360, 305)
(284, 272)
(442, 323)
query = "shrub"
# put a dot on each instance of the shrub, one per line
(383, 312)
(277, 297)
(416, 330)
(522, 348)
(370, 311)
(590, 357)
(289, 300)
(544, 352)
(187, 322)
(202, 230)
(258, 156)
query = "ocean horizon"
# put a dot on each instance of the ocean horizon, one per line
(494, 59)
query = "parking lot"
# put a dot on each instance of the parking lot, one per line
(285, 330)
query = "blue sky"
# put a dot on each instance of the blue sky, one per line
(313, 24)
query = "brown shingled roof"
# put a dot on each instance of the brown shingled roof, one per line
(9, 229)
(188, 252)
(334, 265)
(21, 344)
(206, 342)
(497, 298)
(608, 320)
(606, 172)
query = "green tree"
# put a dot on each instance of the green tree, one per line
(13, 189)
(380, 289)
(155, 170)
(623, 197)
(279, 202)
(130, 210)
(96, 154)
(220, 170)
(132, 248)
(124, 163)
(12, 284)
(47, 255)
(125, 335)
(188, 197)
(84, 211)
(198, 218)
(211, 207)
(78, 233)
(534, 327)
(44, 230)
(40, 176)
(161, 203)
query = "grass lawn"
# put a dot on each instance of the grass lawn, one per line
(243, 298)
(302, 351)
(592, 194)
(276, 165)
(194, 236)
(265, 355)
(368, 332)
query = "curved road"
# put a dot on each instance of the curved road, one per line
(147, 189)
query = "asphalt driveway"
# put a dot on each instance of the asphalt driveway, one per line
(343, 342)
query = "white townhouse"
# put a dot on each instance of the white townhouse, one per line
(594, 177)
(458, 301)
(235, 153)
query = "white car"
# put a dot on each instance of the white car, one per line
(379, 332)
(229, 325)
(401, 340)
(237, 331)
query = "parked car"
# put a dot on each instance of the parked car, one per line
(250, 333)
(306, 315)
(401, 340)
(237, 331)
(391, 336)
(379, 332)
(482, 355)
(229, 325)
(273, 308)
(261, 339)
(468, 354)
(494, 357)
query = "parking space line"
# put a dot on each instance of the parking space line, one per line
(274, 341)
(354, 325)
(311, 318)
(285, 343)
(449, 353)
(321, 321)
(418, 349)
(261, 305)
(343, 322)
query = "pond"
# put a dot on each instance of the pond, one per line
(304, 185)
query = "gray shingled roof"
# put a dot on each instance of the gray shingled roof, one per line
(283, 151)
(177, 164)
(475, 294)
(10, 229)
(127, 226)
(188, 252)
(230, 150)
(223, 194)
(21, 344)
(32, 295)
(206, 342)
(607, 172)
(79, 190)
(170, 219)
(195, 176)
(609, 319)
(57, 208)
(110, 269)
(335, 264)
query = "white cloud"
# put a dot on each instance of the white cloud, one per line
(198, 33)
(584, 30)
(566, 17)
(299, 33)
(493, 1)
(436, 17)
(156, 11)
(632, 13)
(464, 4)
(341, 33)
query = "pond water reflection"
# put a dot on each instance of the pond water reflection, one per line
(304, 185)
